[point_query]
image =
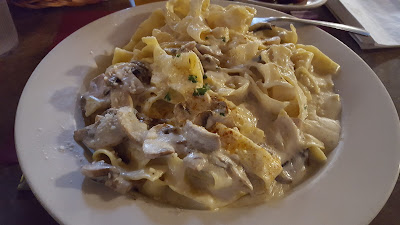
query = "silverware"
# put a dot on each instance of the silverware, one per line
(338, 26)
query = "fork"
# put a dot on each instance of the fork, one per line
(338, 26)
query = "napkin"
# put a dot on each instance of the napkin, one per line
(379, 17)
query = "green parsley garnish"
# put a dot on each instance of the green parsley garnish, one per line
(178, 55)
(222, 114)
(193, 78)
(223, 39)
(201, 91)
(206, 38)
(305, 107)
(167, 97)
(204, 76)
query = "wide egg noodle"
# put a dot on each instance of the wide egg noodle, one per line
(231, 110)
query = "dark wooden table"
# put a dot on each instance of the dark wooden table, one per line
(40, 30)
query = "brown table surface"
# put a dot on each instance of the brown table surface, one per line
(38, 30)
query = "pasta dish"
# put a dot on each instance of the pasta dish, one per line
(203, 110)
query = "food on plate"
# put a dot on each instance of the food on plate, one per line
(202, 110)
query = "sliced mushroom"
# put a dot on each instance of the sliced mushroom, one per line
(107, 174)
(219, 106)
(119, 79)
(284, 178)
(201, 139)
(106, 132)
(149, 173)
(209, 62)
(235, 169)
(188, 47)
(202, 118)
(182, 113)
(117, 178)
(171, 51)
(97, 169)
(213, 50)
(202, 168)
(218, 112)
(97, 97)
(130, 124)
(200, 179)
(121, 76)
(161, 140)
(294, 170)
(119, 184)
(125, 79)
(110, 129)
(195, 160)
(151, 122)
(197, 171)
(120, 98)
(203, 175)
(189, 109)
(141, 71)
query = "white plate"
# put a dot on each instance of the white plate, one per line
(350, 189)
(305, 5)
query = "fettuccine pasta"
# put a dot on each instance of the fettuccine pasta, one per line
(202, 110)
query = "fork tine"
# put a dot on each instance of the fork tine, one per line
(263, 19)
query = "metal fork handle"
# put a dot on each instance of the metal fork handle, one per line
(338, 26)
